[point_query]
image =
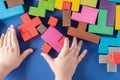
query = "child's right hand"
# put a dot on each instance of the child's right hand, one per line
(66, 63)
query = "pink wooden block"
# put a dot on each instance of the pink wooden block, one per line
(88, 15)
(52, 37)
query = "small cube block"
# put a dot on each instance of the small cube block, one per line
(115, 58)
(61, 41)
(46, 48)
(41, 28)
(52, 21)
(66, 5)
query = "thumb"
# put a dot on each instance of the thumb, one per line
(25, 54)
(47, 58)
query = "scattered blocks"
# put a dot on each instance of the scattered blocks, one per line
(101, 27)
(52, 37)
(75, 4)
(81, 32)
(52, 21)
(88, 15)
(117, 21)
(117, 1)
(12, 3)
(28, 28)
(46, 48)
(14, 11)
(106, 42)
(114, 58)
(66, 20)
(91, 3)
(41, 28)
(111, 7)
(66, 5)
(42, 7)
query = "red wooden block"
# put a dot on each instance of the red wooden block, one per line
(46, 48)
(52, 21)
(114, 58)
(61, 41)
(29, 26)
(66, 5)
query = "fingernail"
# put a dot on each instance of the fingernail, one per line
(31, 50)
(2, 34)
(11, 26)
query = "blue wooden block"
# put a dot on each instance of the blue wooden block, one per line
(10, 12)
(107, 42)
(117, 1)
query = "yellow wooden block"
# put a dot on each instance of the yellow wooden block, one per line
(90, 3)
(75, 4)
(117, 21)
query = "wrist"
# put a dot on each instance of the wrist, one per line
(63, 78)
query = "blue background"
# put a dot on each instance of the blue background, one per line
(35, 67)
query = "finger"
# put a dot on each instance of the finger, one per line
(5, 38)
(25, 54)
(78, 48)
(47, 58)
(82, 55)
(1, 40)
(73, 46)
(65, 48)
(9, 38)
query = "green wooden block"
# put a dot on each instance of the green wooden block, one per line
(43, 6)
(91, 3)
(101, 27)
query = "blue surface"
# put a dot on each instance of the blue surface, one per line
(35, 67)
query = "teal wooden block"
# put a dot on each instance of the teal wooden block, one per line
(117, 1)
(101, 27)
(106, 42)
(43, 6)
(6, 13)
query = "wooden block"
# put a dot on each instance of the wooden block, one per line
(114, 58)
(117, 1)
(14, 11)
(41, 28)
(101, 27)
(88, 15)
(12, 3)
(103, 59)
(66, 20)
(29, 25)
(106, 42)
(46, 48)
(61, 41)
(90, 3)
(117, 21)
(53, 21)
(75, 4)
(52, 37)
(81, 33)
(42, 7)
(113, 49)
(66, 5)
(111, 67)
(111, 8)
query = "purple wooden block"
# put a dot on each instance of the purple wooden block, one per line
(111, 7)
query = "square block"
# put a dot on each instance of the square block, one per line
(46, 48)
(114, 58)
(66, 5)
(41, 28)
(61, 41)
(52, 21)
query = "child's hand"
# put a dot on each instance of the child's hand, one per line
(66, 63)
(10, 57)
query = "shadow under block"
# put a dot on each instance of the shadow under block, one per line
(88, 15)
(66, 20)
(90, 3)
(41, 28)
(117, 21)
(117, 1)
(101, 27)
(28, 28)
(75, 4)
(107, 42)
(52, 37)
(6, 13)
(43, 6)
(53, 21)
(46, 48)
(12, 3)
(81, 33)
(66, 5)
(111, 7)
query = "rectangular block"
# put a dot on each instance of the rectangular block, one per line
(90, 3)
(66, 20)
(103, 59)
(117, 1)
(117, 20)
(41, 28)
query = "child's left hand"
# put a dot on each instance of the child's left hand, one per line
(10, 57)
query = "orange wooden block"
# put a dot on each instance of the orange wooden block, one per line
(52, 21)
(66, 5)
(114, 58)
(46, 48)
(61, 41)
